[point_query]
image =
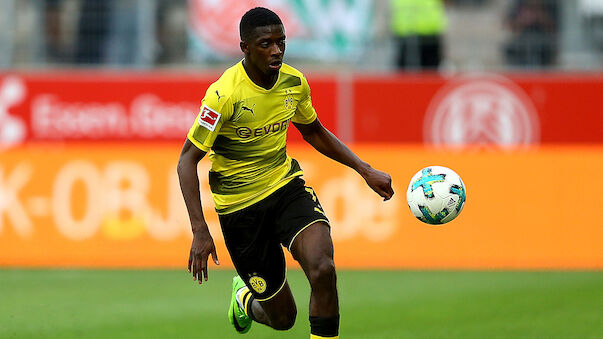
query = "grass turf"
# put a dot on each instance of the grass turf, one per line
(374, 304)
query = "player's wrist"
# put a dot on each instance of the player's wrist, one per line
(201, 230)
(363, 169)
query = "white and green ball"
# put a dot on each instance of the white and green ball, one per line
(436, 195)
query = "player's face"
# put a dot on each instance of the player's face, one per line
(266, 48)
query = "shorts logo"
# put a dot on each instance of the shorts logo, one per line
(208, 118)
(258, 284)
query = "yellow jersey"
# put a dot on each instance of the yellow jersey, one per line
(244, 128)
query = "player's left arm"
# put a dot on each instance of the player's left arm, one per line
(328, 144)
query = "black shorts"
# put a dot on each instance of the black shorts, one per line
(255, 235)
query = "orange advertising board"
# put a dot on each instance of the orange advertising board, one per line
(120, 206)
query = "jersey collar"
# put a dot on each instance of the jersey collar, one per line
(253, 84)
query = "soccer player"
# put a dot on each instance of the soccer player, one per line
(261, 200)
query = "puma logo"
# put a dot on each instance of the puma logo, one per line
(219, 96)
(239, 111)
(244, 108)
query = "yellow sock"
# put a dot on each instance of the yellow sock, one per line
(246, 297)
(313, 336)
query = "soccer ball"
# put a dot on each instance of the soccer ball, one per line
(436, 195)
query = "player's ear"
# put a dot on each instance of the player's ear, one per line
(244, 47)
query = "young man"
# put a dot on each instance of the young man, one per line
(260, 198)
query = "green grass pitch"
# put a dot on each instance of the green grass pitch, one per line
(374, 304)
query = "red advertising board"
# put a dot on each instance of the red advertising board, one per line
(94, 106)
(470, 109)
(479, 109)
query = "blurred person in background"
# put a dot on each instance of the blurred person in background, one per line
(93, 28)
(171, 46)
(261, 200)
(592, 17)
(118, 33)
(132, 33)
(122, 35)
(418, 27)
(534, 26)
(52, 17)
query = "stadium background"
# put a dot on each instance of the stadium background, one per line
(96, 98)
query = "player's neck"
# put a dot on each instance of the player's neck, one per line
(263, 80)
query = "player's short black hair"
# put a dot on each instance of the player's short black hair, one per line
(257, 17)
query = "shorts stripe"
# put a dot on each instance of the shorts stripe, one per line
(303, 228)
(275, 293)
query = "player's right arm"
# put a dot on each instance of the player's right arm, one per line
(203, 243)
(215, 109)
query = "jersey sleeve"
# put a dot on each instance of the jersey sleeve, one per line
(215, 110)
(305, 113)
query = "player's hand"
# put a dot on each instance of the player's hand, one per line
(201, 248)
(380, 182)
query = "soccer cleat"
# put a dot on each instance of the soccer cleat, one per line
(236, 312)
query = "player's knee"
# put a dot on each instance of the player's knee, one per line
(323, 273)
(284, 320)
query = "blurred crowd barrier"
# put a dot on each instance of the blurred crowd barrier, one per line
(367, 35)
(88, 168)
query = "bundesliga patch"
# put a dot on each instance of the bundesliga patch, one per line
(208, 118)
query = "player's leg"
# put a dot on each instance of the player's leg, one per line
(313, 249)
(278, 312)
(251, 301)
(303, 228)
(260, 291)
